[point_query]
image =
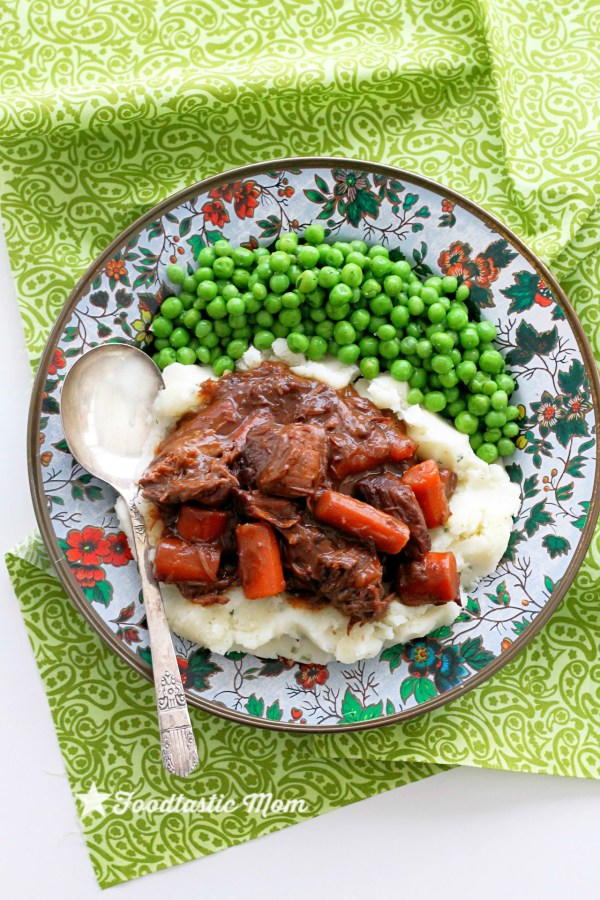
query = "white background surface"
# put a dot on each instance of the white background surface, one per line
(466, 833)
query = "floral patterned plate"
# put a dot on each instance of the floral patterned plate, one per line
(439, 231)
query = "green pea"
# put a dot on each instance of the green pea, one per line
(368, 346)
(495, 419)
(166, 356)
(487, 452)
(337, 313)
(352, 275)
(490, 387)
(455, 407)
(381, 305)
(211, 340)
(317, 315)
(381, 266)
(217, 308)
(441, 364)
(478, 404)
(466, 370)
(448, 379)
(206, 257)
(223, 364)
(176, 274)
(223, 267)
(356, 258)
(505, 447)
(308, 256)
(340, 295)
(408, 345)
(418, 378)
(190, 318)
(389, 349)
(403, 269)
(392, 285)
(415, 396)
(263, 339)
(189, 284)
(505, 383)
(171, 308)
(325, 329)
(510, 430)
(466, 423)
(370, 288)
(186, 300)
(469, 337)
(207, 290)
(434, 401)
(492, 435)
(314, 234)
(263, 270)
(449, 284)
(348, 354)
(457, 318)
(335, 255)
(273, 304)
(436, 313)
(369, 367)
(241, 279)
(499, 400)
(223, 248)
(429, 296)
(414, 330)
(344, 333)
(264, 319)
(491, 361)
(242, 257)
(415, 306)
(435, 282)
(203, 355)
(287, 242)
(297, 342)
(238, 321)
(259, 291)
(477, 382)
(399, 316)
(360, 319)
(186, 356)
(222, 328)
(476, 440)
(316, 298)
(386, 332)
(235, 306)
(512, 412)
(401, 370)
(442, 341)
(203, 328)
(279, 283)
(462, 292)
(290, 317)
(328, 277)
(162, 327)
(486, 331)
(280, 261)
(317, 348)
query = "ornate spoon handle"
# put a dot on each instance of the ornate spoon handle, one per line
(178, 745)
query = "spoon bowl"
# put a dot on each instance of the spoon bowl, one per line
(106, 409)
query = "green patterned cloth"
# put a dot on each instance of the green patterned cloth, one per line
(104, 113)
(105, 720)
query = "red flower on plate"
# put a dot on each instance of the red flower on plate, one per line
(215, 213)
(58, 361)
(118, 553)
(225, 192)
(88, 576)
(447, 206)
(116, 268)
(487, 272)
(88, 546)
(310, 674)
(245, 199)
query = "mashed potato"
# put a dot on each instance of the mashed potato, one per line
(477, 532)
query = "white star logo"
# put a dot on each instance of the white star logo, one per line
(93, 801)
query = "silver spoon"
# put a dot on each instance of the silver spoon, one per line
(106, 405)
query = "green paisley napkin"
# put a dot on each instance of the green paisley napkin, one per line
(135, 817)
(103, 116)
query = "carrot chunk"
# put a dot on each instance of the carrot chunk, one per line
(177, 560)
(195, 524)
(427, 484)
(259, 560)
(362, 521)
(402, 448)
(433, 579)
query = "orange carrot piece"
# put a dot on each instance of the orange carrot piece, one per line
(177, 560)
(402, 448)
(426, 482)
(196, 524)
(259, 560)
(433, 579)
(362, 521)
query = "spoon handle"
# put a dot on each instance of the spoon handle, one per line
(178, 745)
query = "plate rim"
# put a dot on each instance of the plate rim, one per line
(59, 562)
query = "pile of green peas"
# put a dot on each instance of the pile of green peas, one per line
(351, 301)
